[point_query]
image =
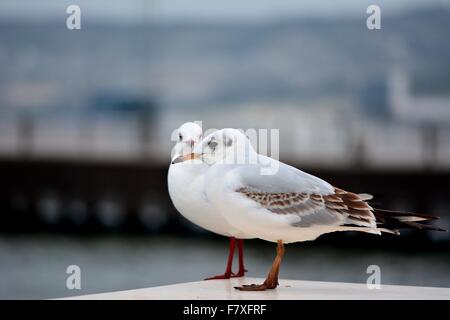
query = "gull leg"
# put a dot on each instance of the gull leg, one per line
(228, 272)
(271, 281)
(242, 270)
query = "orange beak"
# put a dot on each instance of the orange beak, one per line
(190, 156)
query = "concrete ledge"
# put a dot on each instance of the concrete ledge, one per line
(288, 290)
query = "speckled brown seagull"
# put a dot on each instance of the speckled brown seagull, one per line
(287, 205)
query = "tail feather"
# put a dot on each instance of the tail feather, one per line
(422, 226)
(407, 214)
(393, 219)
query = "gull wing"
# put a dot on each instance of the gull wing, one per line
(290, 191)
(293, 192)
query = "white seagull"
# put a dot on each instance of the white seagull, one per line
(288, 205)
(186, 189)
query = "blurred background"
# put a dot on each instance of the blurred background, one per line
(86, 118)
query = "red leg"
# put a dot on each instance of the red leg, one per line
(271, 281)
(228, 272)
(242, 270)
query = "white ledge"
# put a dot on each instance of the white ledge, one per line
(287, 290)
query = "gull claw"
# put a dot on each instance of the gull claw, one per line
(257, 287)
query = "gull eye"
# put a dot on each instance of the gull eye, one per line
(212, 144)
(180, 137)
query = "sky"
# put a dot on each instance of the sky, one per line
(131, 11)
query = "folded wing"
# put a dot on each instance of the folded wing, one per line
(293, 192)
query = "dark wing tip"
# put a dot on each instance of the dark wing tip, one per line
(402, 219)
(395, 213)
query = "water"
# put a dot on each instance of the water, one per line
(35, 267)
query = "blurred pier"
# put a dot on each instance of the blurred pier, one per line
(82, 196)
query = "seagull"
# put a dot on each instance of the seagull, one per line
(288, 205)
(186, 189)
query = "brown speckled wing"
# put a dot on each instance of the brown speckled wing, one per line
(339, 208)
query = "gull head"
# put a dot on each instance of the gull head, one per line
(188, 135)
(228, 146)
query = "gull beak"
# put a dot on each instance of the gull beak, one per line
(186, 157)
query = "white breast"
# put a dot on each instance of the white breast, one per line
(186, 182)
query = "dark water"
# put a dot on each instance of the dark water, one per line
(35, 267)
